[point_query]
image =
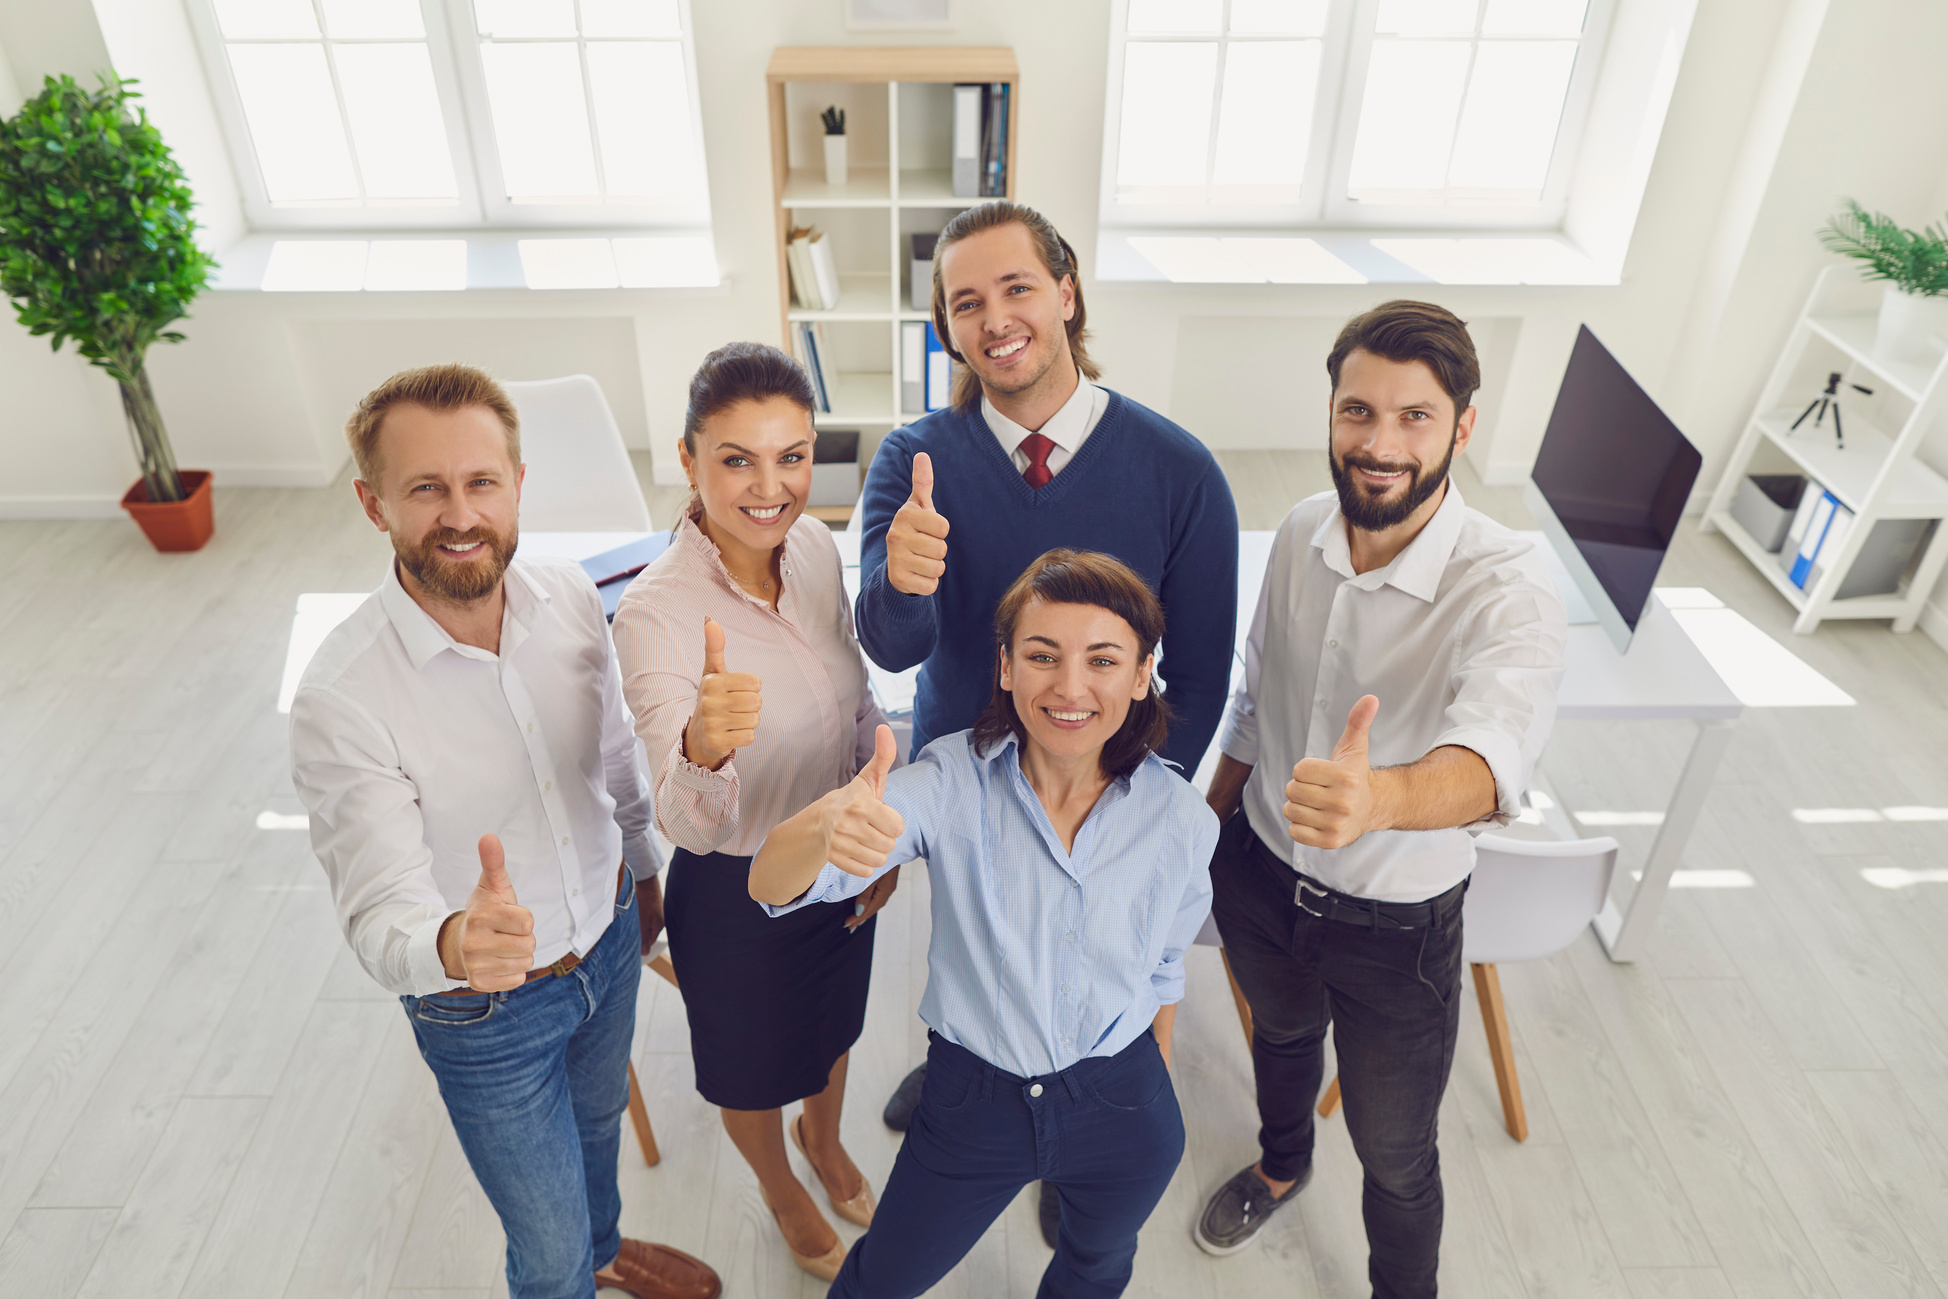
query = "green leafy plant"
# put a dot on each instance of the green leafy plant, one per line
(97, 244)
(1913, 261)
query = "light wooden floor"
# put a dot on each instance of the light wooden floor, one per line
(200, 1094)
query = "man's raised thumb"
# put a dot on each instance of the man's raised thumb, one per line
(923, 481)
(1352, 742)
(885, 749)
(713, 648)
(493, 870)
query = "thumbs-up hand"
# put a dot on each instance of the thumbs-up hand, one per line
(1329, 801)
(916, 544)
(491, 943)
(728, 703)
(860, 830)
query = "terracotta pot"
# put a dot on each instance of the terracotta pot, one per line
(174, 525)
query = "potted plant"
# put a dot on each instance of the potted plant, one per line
(97, 245)
(1914, 310)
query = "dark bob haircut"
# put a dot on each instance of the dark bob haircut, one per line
(1405, 330)
(1067, 576)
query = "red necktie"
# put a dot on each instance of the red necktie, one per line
(1037, 447)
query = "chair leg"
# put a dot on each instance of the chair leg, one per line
(1238, 997)
(1329, 1103)
(661, 964)
(639, 1115)
(1501, 1049)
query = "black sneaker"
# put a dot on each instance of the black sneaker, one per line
(1050, 1211)
(1234, 1214)
(905, 1099)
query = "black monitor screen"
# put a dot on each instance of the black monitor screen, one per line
(1616, 472)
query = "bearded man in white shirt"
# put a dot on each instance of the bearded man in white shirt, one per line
(1400, 683)
(470, 771)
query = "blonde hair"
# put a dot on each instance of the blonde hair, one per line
(438, 388)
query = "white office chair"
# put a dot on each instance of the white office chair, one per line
(579, 475)
(1529, 898)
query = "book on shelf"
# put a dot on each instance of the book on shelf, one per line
(920, 293)
(800, 274)
(808, 339)
(814, 278)
(981, 139)
(824, 274)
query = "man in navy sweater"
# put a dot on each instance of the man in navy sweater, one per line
(1031, 456)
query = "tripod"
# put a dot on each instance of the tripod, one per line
(1829, 400)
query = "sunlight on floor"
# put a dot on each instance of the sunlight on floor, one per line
(1899, 877)
(1866, 815)
(1724, 879)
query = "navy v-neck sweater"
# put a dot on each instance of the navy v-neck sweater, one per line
(1139, 488)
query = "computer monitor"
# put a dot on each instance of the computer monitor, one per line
(1609, 485)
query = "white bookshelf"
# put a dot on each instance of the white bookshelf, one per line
(1876, 474)
(898, 102)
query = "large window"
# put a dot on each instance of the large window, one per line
(455, 113)
(1348, 113)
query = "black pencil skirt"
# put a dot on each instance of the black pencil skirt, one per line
(772, 1004)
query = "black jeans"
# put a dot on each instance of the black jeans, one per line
(1393, 997)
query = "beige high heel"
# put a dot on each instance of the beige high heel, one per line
(859, 1209)
(823, 1266)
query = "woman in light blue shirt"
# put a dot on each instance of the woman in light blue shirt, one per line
(1069, 870)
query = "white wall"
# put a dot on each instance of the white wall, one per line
(1780, 108)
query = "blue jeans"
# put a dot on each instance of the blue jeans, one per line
(1106, 1132)
(1393, 1001)
(535, 1081)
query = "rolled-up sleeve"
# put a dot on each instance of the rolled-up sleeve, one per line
(1167, 980)
(914, 791)
(367, 832)
(1506, 671)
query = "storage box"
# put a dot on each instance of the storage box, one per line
(835, 468)
(1884, 558)
(1764, 506)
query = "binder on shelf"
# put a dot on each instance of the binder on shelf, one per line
(967, 141)
(920, 292)
(994, 159)
(824, 274)
(940, 371)
(808, 336)
(913, 366)
(1819, 526)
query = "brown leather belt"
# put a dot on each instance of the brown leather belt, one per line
(557, 968)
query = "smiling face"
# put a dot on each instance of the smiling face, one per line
(448, 498)
(753, 469)
(1073, 670)
(1006, 313)
(1394, 433)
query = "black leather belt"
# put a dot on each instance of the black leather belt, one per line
(1316, 899)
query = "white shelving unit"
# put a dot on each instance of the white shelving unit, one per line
(898, 102)
(1876, 474)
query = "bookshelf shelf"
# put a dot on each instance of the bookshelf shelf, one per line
(1876, 475)
(899, 102)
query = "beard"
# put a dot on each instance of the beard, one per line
(462, 581)
(1378, 513)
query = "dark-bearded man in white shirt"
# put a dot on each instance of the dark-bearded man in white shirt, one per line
(1400, 682)
(461, 745)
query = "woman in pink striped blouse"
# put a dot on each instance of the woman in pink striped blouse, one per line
(744, 619)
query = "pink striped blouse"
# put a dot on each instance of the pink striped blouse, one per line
(816, 729)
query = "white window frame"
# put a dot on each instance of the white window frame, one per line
(1324, 204)
(453, 44)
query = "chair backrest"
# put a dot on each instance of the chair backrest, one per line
(1530, 898)
(579, 475)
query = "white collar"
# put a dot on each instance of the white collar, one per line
(1418, 567)
(424, 638)
(1065, 428)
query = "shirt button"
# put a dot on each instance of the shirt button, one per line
(1332, 644)
(574, 893)
(1075, 884)
(564, 841)
(1065, 1041)
(1070, 935)
(1035, 1090)
(530, 726)
(547, 784)
(1322, 701)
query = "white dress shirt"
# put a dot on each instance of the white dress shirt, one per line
(1066, 428)
(407, 746)
(1461, 638)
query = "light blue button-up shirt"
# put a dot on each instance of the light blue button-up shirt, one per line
(1043, 956)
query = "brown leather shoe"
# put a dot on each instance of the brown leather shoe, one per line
(659, 1272)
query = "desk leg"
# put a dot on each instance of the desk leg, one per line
(1625, 934)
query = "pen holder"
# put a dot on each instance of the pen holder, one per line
(835, 160)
